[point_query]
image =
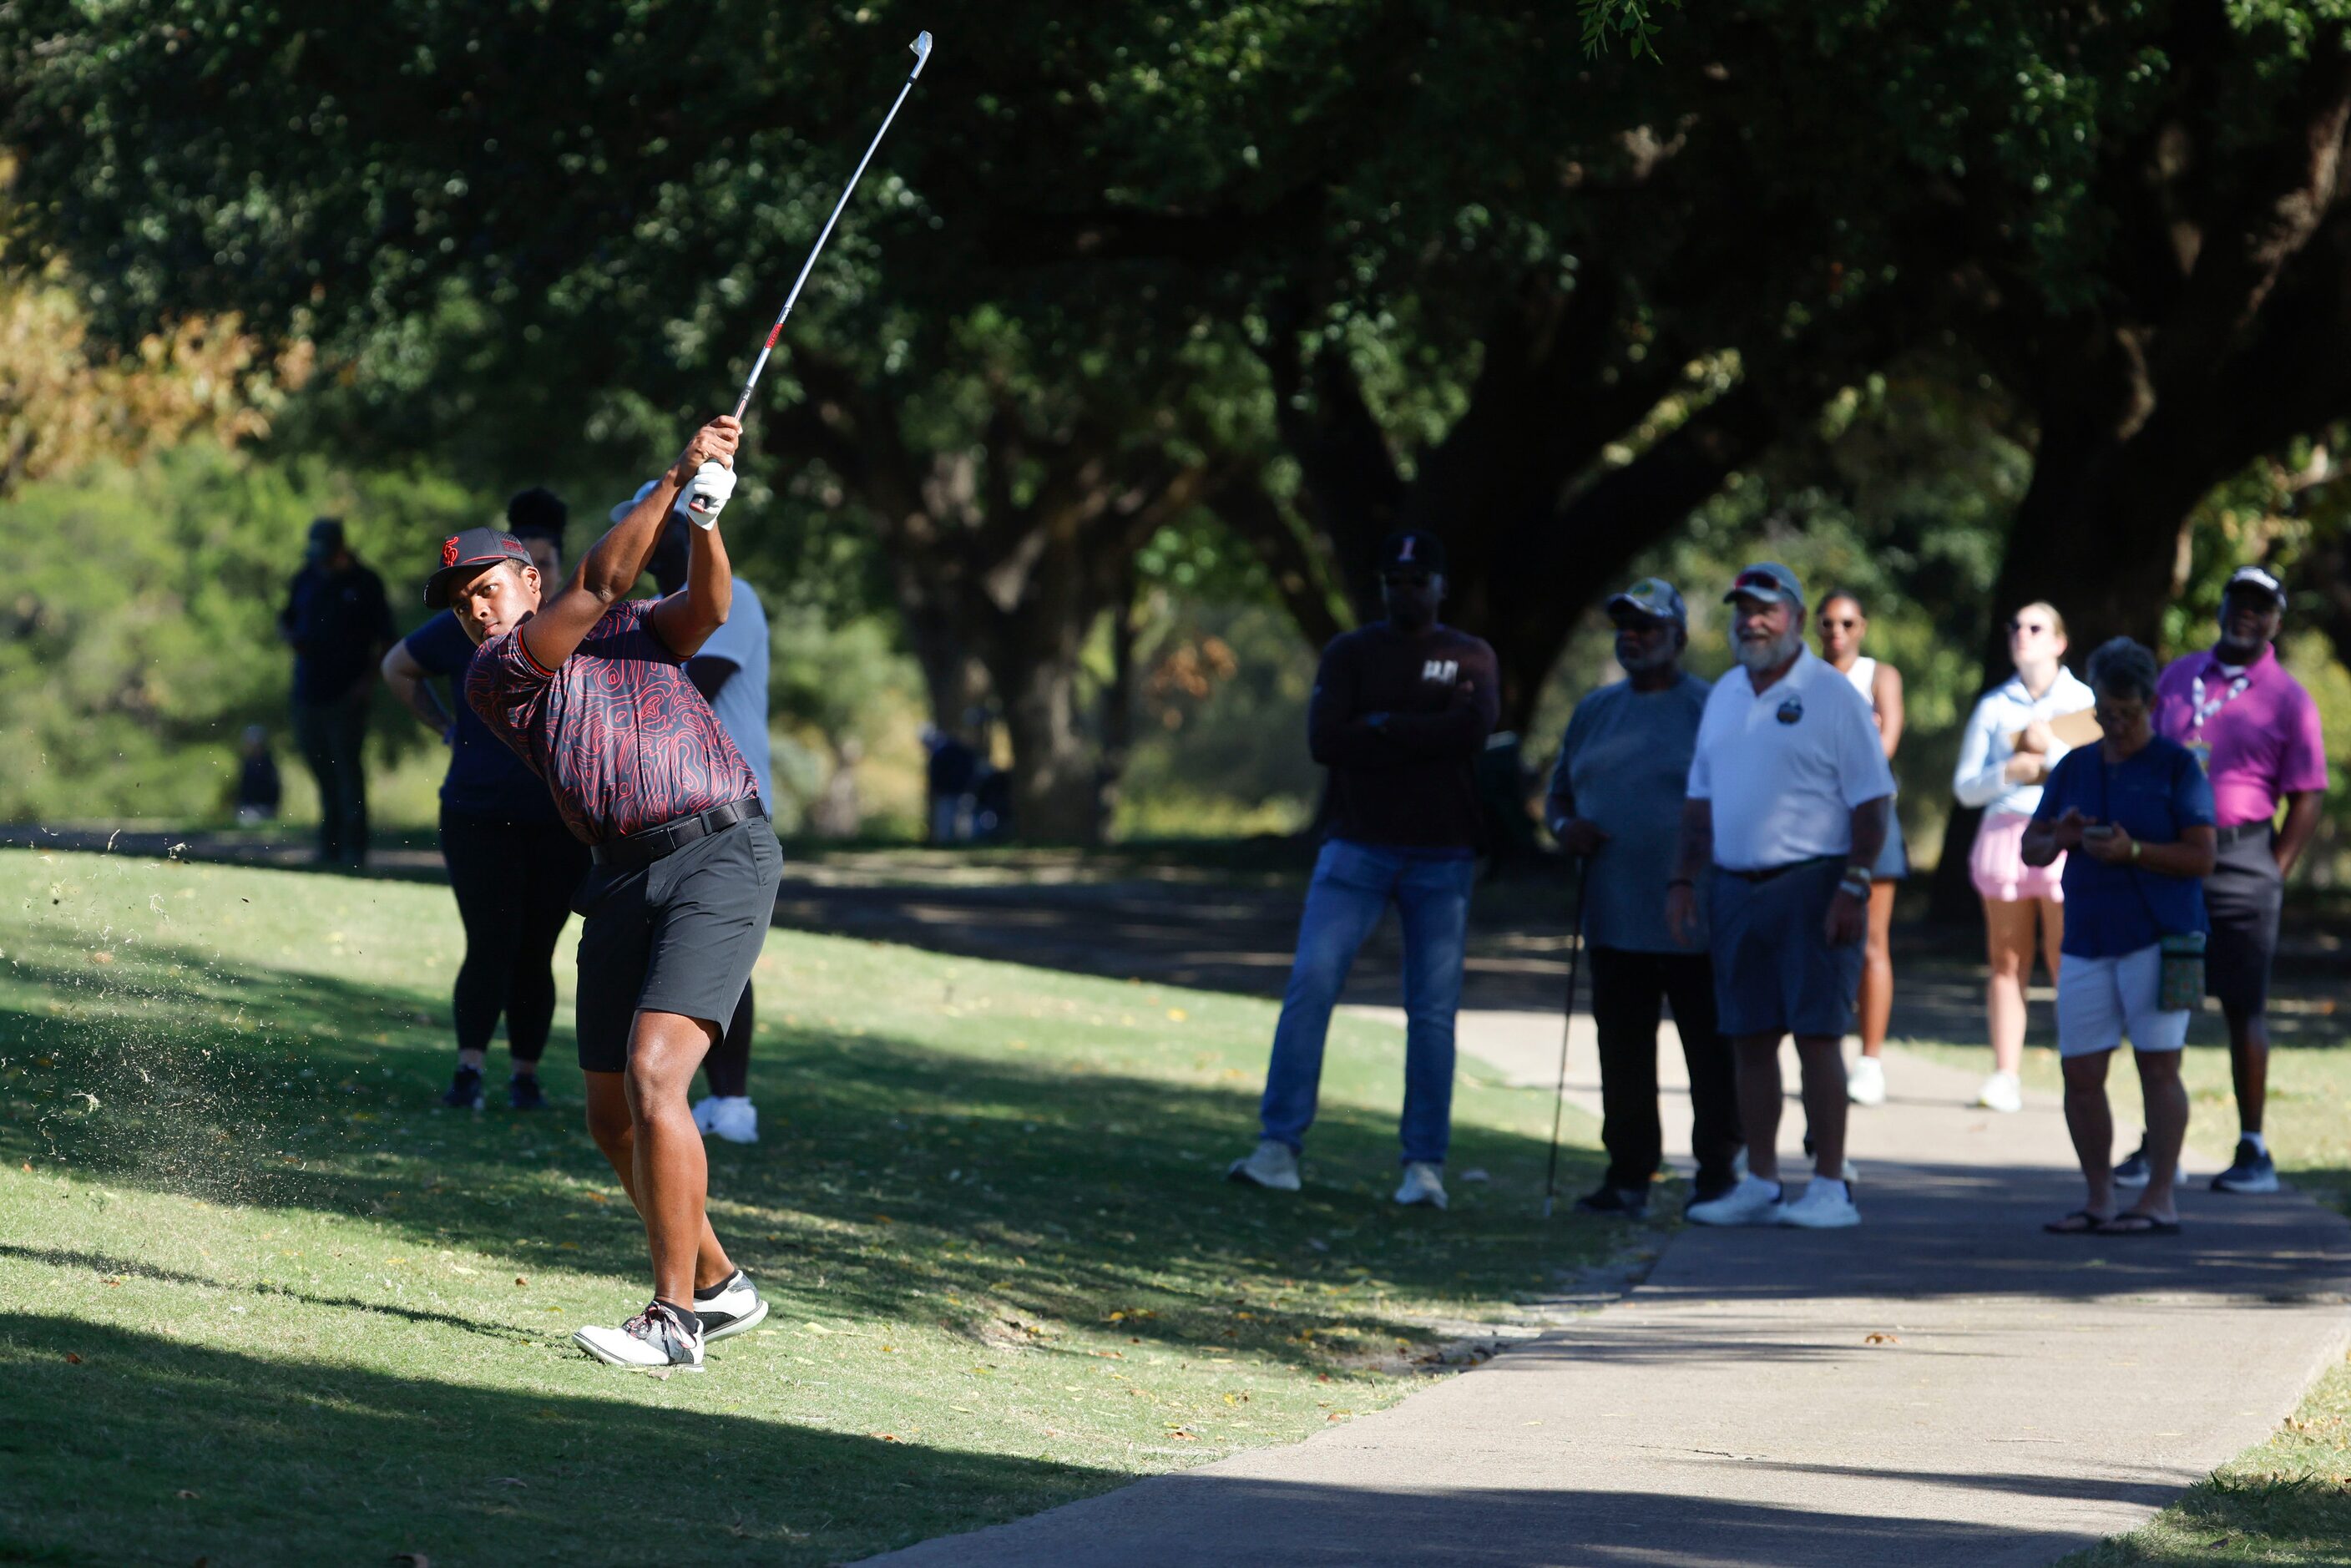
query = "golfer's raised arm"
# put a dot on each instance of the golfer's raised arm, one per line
(611, 567)
(684, 621)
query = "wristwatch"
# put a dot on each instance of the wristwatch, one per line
(1860, 874)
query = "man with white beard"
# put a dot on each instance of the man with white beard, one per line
(1784, 817)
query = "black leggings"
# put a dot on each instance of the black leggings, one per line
(514, 882)
(729, 1065)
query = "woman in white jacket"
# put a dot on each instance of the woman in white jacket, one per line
(2007, 752)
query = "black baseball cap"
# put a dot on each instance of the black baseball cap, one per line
(1413, 552)
(469, 551)
(326, 539)
(2256, 580)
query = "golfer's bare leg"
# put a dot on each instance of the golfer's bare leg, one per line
(1822, 1060)
(1758, 1102)
(609, 1124)
(2166, 1099)
(2091, 1120)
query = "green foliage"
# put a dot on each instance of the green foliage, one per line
(1635, 22)
(139, 637)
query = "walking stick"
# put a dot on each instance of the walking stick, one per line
(1567, 1027)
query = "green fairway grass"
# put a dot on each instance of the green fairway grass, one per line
(261, 1301)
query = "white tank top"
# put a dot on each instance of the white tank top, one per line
(1864, 676)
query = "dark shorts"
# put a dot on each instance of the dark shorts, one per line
(1773, 971)
(2244, 896)
(679, 935)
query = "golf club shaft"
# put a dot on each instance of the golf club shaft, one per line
(1566, 1029)
(777, 330)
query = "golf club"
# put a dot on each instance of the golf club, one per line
(1567, 1026)
(922, 48)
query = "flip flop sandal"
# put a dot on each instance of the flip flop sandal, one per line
(2138, 1225)
(2081, 1222)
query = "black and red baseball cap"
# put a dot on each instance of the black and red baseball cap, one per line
(468, 552)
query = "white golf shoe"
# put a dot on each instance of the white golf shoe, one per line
(1754, 1201)
(729, 1117)
(729, 1307)
(655, 1338)
(1824, 1205)
(1423, 1182)
(1273, 1166)
(2002, 1093)
(1865, 1081)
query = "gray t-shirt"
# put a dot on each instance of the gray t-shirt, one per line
(1624, 764)
(742, 705)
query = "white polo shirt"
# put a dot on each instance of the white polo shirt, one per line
(1785, 767)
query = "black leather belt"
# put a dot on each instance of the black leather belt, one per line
(642, 848)
(2242, 830)
(1767, 872)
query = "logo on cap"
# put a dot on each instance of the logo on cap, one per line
(1405, 554)
(449, 551)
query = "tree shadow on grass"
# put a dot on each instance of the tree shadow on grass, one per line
(893, 1174)
(211, 1454)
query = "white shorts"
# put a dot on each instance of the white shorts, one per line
(2101, 999)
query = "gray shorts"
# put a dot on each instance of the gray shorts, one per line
(679, 935)
(1773, 972)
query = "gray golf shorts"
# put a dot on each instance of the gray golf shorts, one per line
(1774, 973)
(679, 935)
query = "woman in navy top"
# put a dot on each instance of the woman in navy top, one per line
(512, 863)
(2133, 816)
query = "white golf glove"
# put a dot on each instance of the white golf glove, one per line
(706, 495)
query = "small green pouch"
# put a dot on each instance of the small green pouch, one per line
(2179, 976)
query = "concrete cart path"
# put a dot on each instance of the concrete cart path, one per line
(1943, 1386)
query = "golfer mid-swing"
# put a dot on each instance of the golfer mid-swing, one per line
(590, 689)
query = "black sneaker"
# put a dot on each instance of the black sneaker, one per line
(2251, 1171)
(2133, 1172)
(1623, 1202)
(523, 1093)
(729, 1307)
(464, 1090)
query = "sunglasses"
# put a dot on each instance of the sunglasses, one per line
(1841, 625)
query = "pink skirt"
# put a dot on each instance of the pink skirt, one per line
(1996, 865)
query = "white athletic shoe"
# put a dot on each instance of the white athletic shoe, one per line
(657, 1337)
(1865, 1081)
(1821, 1209)
(1423, 1182)
(2002, 1093)
(729, 1307)
(702, 1109)
(1754, 1201)
(731, 1117)
(1274, 1166)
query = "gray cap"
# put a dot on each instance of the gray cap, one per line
(1653, 597)
(1768, 580)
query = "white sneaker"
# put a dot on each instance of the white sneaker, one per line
(1865, 1081)
(702, 1113)
(731, 1117)
(729, 1307)
(2002, 1093)
(1423, 1182)
(657, 1337)
(1274, 1166)
(1754, 1201)
(1821, 1209)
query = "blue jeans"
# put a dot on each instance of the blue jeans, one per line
(1352, 885)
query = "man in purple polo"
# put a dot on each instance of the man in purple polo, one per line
(2257, 733)
(590, 689)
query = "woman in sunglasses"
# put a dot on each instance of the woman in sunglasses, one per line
(1842, 626)
(2006, 755)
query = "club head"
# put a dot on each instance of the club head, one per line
(922, 48)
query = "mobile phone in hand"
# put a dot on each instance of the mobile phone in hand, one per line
(2098, 830)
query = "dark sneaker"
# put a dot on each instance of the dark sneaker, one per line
(1710, 1186)
(2251, 1171)
(729, 1307)
(523, 1093)
(464, 1090)
(1623, 1202)
(2133, 1172)
(655, 1338)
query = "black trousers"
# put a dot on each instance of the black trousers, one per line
(514, 882)
(1628, 991)
(333, 738)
